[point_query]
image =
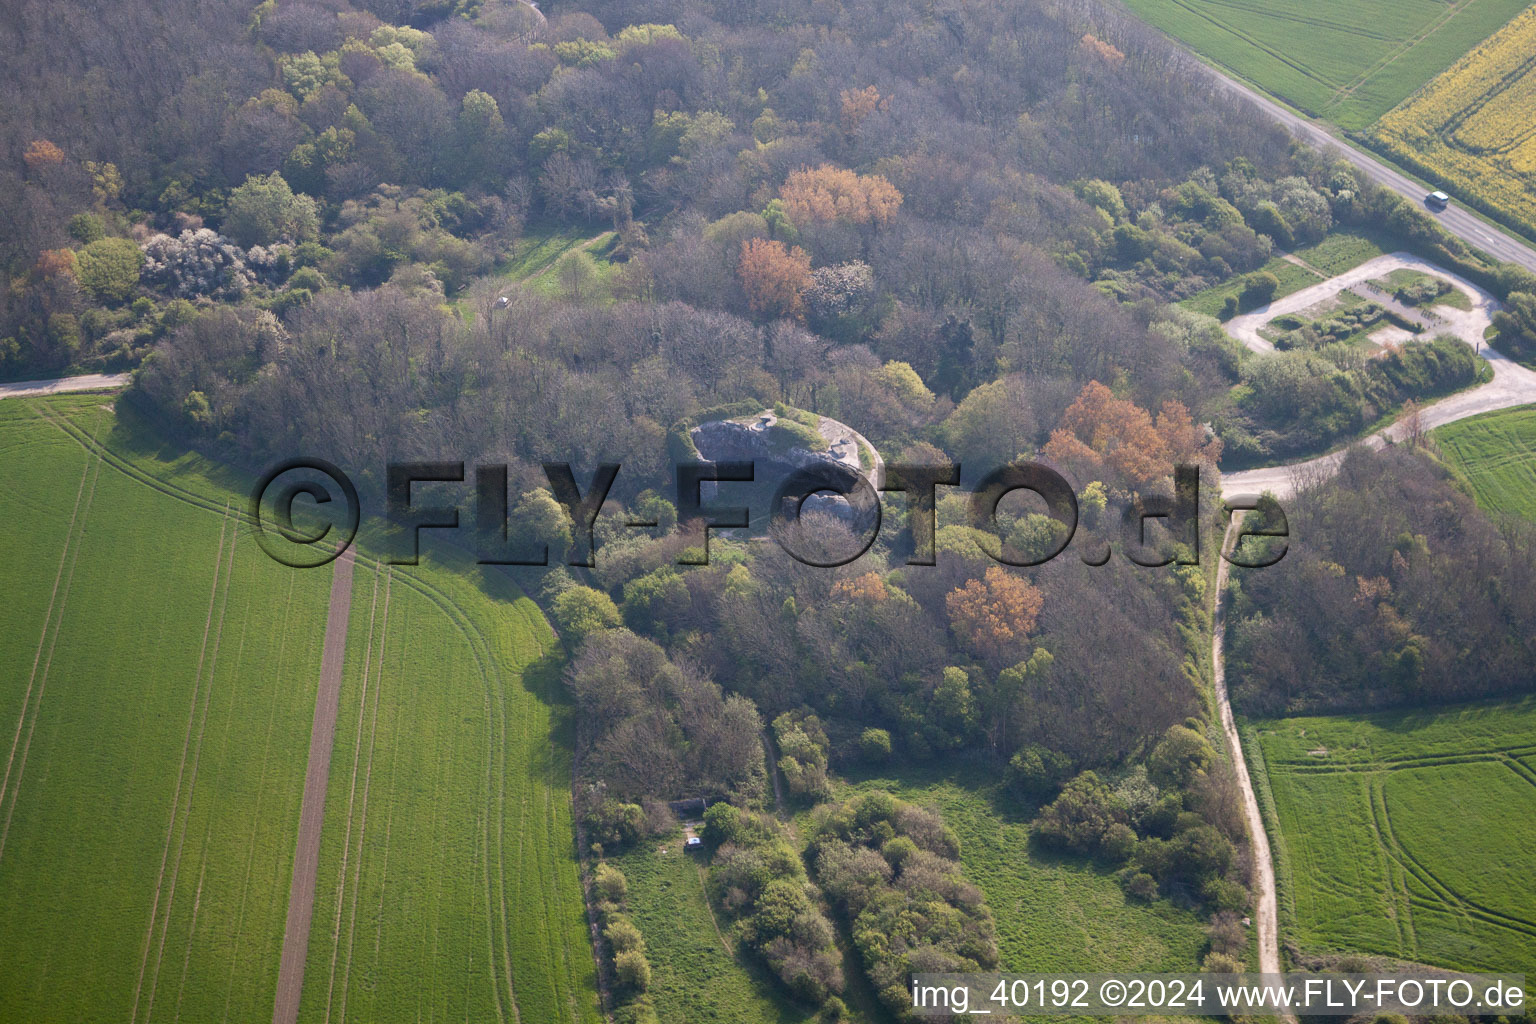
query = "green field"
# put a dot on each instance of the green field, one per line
(697, 974)
(1496, 452)
(1053, 913)
(1291, 277)
(1346, 62)
(151, 803)
(1340, 250)
(1408, 834)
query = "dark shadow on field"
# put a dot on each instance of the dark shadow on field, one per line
(542, 679)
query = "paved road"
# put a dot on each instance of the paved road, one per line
(306, 857)
(1512, 384)
(1459, 222)
(61, 385)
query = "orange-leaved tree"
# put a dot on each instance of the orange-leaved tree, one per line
(836, 193)
(773, 276)
(42, 153)
(1100, 430)
(994, 616)
(859, 104)
(868, 587)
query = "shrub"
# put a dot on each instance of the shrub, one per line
(722, 824)
(875, 745)
(632, 970)
(1083, 819)
(1258, 288)
(615, 824)
(1224, 894)
(1141, 886)
(582, 611)
(264, 210)
(622, 935)
(1037, 771)
(1180, 756)
(610, 883)
(108, 268)
(1221, 963)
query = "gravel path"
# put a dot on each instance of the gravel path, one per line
(61, 385)
(1266, 908)
(1512, 384)
(306, 857)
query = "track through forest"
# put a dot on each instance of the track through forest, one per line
(1266, 905)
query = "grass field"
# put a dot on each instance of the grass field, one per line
(1471, 128)
(1291, 277)
(150, 810)
(1496, 452)
(151, 806)
(696, 974)
(1348, 62)
(1408, 834)
(1054, 914)
(1342, 249)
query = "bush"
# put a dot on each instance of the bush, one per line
(1221, 963)
(632, 970)
(760, 880)
(622, 935)
(1258, 289)
(613, 824)
(610, 883)
(1179, 757)
(108, 268)
(582, 611)
(893, 869)
(1037, 772)
(1224, 894)
(1083, 818)
(722, 824)
(875, 745)
(1141, 886)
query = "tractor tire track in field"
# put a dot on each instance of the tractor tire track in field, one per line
(1397, 882)
(197, 756)
(475, 637)
(362, 829)
(1407, 46)
(346, 842)
(186, 744)
(70, 554)
(306, 857)
(250, 854)
(1450, 899)
(1394, 764)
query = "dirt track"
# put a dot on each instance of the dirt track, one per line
(1265, 910)
(306, 857)
(63, 385)
(1512, 384)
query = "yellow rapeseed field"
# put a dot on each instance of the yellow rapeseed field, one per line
(1473, 129)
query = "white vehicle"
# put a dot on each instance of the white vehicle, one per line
(1438, 199)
